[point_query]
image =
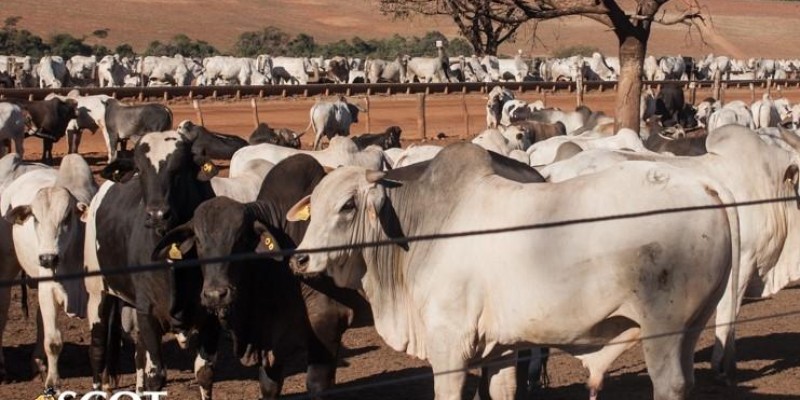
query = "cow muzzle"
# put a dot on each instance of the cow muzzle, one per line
(217, 298)
(299, 263)
(157, 217)
(49, 261)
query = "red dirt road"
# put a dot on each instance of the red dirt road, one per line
(767, 348)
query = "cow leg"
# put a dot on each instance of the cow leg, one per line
(140, 361)
(52, 336)
(39, 359)
(502, 380)
(600, 361)
(723, 357)
(323, 347)
(100, 312)
(74, 139)
(18, 147)
(270, 377)
(448, 363)
(208, 340)
(317, 141)
(150, 333)
(47, 151)
(664, 356)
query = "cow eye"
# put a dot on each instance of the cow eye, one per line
(350, 205)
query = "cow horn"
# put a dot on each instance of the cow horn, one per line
(790, 138)
(375, 176)
(299, 135)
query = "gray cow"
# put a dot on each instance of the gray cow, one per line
(122, 122)
(332, 118)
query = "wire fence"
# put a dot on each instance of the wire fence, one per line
(495, 362)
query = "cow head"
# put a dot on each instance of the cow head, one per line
(166, 167)
(56, 216)
(221, 227)
(393, 137)
(348, 207)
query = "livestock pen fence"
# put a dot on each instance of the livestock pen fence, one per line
(559, 94)
(495, 362)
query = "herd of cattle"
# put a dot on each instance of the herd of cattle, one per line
(593, 289)
(116, 71)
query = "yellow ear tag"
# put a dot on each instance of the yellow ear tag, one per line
(45, 397)
(175, 252)
(304, 213)
(208, 167)
(268, 243)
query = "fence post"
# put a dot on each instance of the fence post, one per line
(369, 123)
(421, 126)
(579, 90)
(769, 86)
(196, 105)
(466, 115)
(693, 92)
(717, 92)
(254, 106)
(752, 93)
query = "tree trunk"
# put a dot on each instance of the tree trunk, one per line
(632, 50)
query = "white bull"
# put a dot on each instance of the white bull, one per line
(544, 152)
(635, 281)
(769, 238)
(52, 72)
(341, 151)
(13, 126)
(46, 207)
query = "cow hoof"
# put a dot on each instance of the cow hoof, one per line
(39, 366)
(723, 379)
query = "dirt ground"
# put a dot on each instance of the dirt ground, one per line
(769, 358)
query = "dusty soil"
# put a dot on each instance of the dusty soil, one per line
(739, 28)
(768, 353)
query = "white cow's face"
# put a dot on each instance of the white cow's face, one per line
(344, 210)
(55, 215)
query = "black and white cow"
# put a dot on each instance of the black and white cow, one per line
(389, 139)
(215, 145)
(122, 122)
(281, 137)
(126, 221)
(261, 302)
(49, 120)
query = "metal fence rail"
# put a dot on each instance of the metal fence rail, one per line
(364, 89)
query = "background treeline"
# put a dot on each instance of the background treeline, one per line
(269, 40)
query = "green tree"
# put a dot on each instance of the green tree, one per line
(303, 45)
(270, 40)
(66, 46)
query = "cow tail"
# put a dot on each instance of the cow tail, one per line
(171, 117)
(733, 222)
(24, 297)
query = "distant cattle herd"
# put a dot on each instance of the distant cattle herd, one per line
(592, 289)
(139, 71)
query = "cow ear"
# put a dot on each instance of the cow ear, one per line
(120, 170)
(82, 209)
(175, 244)
(207, 171)
(19, 214)
(300, 211)
(266, 241)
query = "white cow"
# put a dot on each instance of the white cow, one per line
(46, 207)
(769, 245)
(341, 151)
(229, 69)
(112, 72)
(494, 105)
(634, 281)
(596, 69)
(52, 72)
(426, 69)
(245, 185)
(765, 113)
(544, 152)
(284, 70)
(413, 154)
(165, 71)
(82, 69)
(376, 70)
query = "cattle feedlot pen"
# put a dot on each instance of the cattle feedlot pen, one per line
(408, 239)
(505, 360)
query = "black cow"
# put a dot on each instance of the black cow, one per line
(263, 304)
(678, 144)
(386, 140)
(49, 120)
(122, 122)
(282, 137)
(215, 145)
(129, 221)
